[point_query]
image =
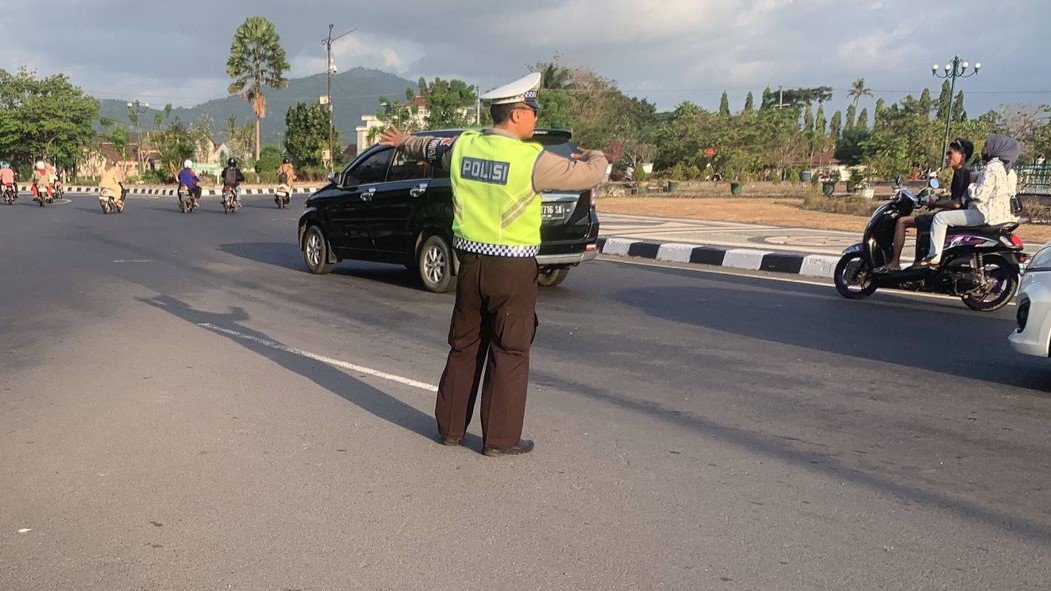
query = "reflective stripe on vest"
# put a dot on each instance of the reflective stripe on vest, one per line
(493, 197)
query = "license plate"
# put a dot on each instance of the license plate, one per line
(554, 211)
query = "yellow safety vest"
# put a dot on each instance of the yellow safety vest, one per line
(496, 210)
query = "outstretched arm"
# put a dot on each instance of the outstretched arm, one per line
(436, 151)
(586, 169)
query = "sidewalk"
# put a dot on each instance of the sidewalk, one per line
(756, 247)
(729, 234)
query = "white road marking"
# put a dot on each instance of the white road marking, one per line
(132, 261)
(323, 359)
(25, 530)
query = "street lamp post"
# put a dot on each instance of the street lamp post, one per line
(951, 71)
(137, 108)
(327, 42)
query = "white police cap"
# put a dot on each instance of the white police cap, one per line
(523, 90)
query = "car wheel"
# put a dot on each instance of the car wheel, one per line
(315, 251)
(434, 263)
(551, 277)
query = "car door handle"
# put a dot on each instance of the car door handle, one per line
(368, 195)
(418, 190)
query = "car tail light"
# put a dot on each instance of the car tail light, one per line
(590, 247)
(1016, 241)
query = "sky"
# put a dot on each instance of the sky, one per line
(667, 51)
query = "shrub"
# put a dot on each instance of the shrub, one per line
(849, 205)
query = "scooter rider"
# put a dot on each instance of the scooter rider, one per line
(232, 176)
(956, 158)
(990, 196)
(42, 187)
(188, 179)
(111, 191)
(7, 175)
(286, 177)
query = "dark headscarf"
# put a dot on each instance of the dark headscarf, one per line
(1007, 150)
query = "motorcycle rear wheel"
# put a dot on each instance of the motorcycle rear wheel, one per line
(853, 277)
(1005, 285)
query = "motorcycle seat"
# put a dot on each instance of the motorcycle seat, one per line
(997, 229)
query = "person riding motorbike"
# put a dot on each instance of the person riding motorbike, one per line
(188, 179)
(956, 158)
(111, 193)
(989, 197)
(7, 175)
(42, 187)
(232, 176)
(286, 176)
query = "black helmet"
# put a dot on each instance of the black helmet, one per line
(288, 161)
(231, 162)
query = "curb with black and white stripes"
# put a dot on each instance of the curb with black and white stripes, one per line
(810, 265)
(168, 192)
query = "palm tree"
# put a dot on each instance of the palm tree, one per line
(256, 59)
(859, 91)
(553, 75)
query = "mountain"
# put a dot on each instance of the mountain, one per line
(355, 92)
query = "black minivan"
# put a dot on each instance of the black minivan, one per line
(386, 208)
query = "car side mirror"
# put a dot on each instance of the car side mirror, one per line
(333, 177)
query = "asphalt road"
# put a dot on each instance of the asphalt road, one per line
(183, 407)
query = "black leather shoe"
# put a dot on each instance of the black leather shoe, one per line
(524, 446)
(450, 441)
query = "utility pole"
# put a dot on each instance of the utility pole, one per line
(327, 42)
(138, 108)
(953, 70)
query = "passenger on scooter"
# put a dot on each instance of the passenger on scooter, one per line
(956, 158)
(989, 197)
(188, 179)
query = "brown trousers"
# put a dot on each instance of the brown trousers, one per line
(493, 324)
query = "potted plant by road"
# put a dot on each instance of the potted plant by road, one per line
(829, 177)
(856, 180)
(737, 164)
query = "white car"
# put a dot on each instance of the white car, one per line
(1033, 334)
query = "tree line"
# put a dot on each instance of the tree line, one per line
(772, 137)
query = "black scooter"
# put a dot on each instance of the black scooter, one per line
(980, 264)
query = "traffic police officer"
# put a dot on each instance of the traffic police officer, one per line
(497, 178)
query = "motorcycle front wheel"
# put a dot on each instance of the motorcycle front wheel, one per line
(853, 276)
(1003, 284)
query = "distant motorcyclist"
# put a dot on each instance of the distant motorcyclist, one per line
(286, 176)
(43, 189)
(111, 190)
(232, 176)
(7, 175)
(188, 179)
(7, 182)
